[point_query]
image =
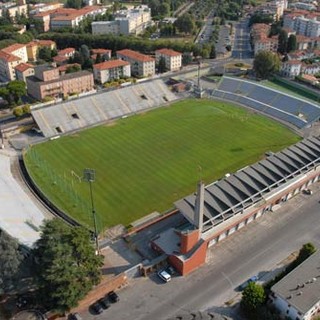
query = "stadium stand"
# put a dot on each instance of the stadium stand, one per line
(73, 115)
(276, 104)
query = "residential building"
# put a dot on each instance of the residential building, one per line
(173, 59)
(24, 70)
(266, 44)
(8, 62)
(296, 295)
(310, 69)
(63, 69)
(291, 68)
(18, 50)
(34, 46)
(260, 39)
(67, 17)
(43, 7)
(141, 64)
(104, 53)
(67, 52)
(60, 60)
(110, 70)
(310, 79)
(48, 82)
(132, 21)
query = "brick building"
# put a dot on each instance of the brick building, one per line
(48, 82)
(24, 70)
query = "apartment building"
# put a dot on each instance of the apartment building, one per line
(260, 38)
(291, 68)
(14, 8)
(173, 59)
(8, 62)
(24, 70)
(18, 50)
(67, 17)
(303, 22)
(110, 70)
(141, 64)
(48, 82)
(132, 21)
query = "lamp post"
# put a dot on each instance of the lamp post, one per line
(89, 176)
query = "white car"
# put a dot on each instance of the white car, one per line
(164, 275)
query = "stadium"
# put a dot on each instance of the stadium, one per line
(120, 132)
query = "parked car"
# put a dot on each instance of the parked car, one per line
(97, 308)
(75, 316)
(164, 275)
(246, 283)
(307, 191)
(113, 297)
(105, 302)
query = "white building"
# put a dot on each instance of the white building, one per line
(173, 59)
(8, 62)
(133, 21)
(297, 295)
(109, 70)
(18, 50)
(303, 25)
(141, 64)
(291, 68)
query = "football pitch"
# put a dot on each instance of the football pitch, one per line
(146, 162)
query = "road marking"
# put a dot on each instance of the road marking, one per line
(228, 279)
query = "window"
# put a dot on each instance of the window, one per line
(75, 116)
(58, 129)
(143, 97)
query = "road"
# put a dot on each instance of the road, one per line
(254, 250)
(241, 46)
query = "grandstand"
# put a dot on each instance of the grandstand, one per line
(276, 104)
(94, 109)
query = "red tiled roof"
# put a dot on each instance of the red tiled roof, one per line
(135, 55)
(110, 64)
(66, 51)
(101, 51)
(292, 62)
(8, 57)
(66, 66)
(40, 43)
(23, 67)
(60, 58)
(13, 47)
(169, 52)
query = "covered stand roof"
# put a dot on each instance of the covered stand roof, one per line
(232, 194)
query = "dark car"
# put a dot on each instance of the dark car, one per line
(97, 308)
(105, 302)
(113, 297)
(75, 316)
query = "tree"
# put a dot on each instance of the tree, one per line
(185, 23)
(292, 43)
(17, 89)
(213, 54)
(306, 251)
(18, 112)
(45, 54)
(283, 41)
(265, 64)
(162, 65)
(98, 58)
(67, 266)
(253, 296)
(76, 4)
(10, 260)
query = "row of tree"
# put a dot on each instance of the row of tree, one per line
(13, 92)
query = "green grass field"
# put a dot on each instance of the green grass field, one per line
(145, 162)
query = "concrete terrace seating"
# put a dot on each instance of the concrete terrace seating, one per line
(94, 109)
(279, 105)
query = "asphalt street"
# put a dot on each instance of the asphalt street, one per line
(241, 46)
(255, 250)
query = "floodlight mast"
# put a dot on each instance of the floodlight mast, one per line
(89, 176)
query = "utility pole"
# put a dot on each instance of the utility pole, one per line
(89, 176)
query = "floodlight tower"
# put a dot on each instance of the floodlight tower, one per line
(89, 176)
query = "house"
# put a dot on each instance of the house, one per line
(310, 79)
(24, 70)
(67, 52)
(110, 70)
(173, 59)
(310, 69)
(291, 68)
(48, 82)
(104, 53)
(64, 68)
(60, 60)
(296, 295)
(141, 64)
